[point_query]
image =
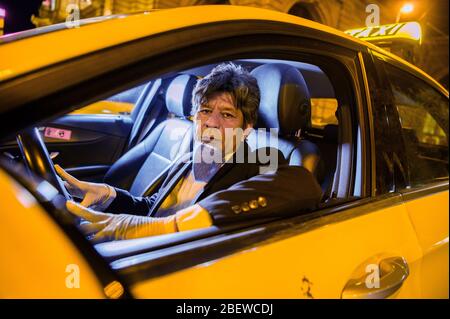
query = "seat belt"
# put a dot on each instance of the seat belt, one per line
(142, 117)
(152, 116)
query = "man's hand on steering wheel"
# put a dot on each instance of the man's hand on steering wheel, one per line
(94, 195)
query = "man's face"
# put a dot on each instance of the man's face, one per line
(220, 124)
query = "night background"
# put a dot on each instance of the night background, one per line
(431, 56)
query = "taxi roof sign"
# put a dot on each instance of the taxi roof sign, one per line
(404, 30)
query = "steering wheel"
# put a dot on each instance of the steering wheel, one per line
(37, 159)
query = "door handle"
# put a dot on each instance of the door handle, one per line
(392, 271)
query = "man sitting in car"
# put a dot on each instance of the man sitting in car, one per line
(221, 181)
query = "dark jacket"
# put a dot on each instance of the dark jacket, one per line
(237, 191)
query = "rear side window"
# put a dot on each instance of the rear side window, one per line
(423, 115)
(323, 112)
(119, 104)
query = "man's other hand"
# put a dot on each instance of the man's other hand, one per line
(101, 227)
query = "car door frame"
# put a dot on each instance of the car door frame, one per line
(157, 263)
(245, 234)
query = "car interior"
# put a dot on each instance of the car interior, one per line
(141, 143)
(162, 123)
(146, 162)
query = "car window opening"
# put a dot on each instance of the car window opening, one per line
(159, 113)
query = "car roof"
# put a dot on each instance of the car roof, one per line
(47, 46)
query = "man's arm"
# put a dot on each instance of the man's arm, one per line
(124, 202)
(289, 191)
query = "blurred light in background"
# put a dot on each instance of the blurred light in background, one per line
(407, 8)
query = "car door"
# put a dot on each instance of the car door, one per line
(86, 144)
(87, 141)
(361, 244)
(340, 256)
(422, 111)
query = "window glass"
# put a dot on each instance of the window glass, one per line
(423, 114)
(119, 104)
(323, 112)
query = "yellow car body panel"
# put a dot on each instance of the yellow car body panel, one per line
(37, 259)
(68, 43)
(314, 264)
(429, 216)
(19, 57)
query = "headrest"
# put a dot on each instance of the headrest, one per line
(285, 99)
(179, 93)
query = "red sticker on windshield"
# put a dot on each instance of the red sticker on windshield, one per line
(57, 133)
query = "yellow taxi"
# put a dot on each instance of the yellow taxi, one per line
(381, 126)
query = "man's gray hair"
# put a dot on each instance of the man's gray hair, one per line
(232, 79)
